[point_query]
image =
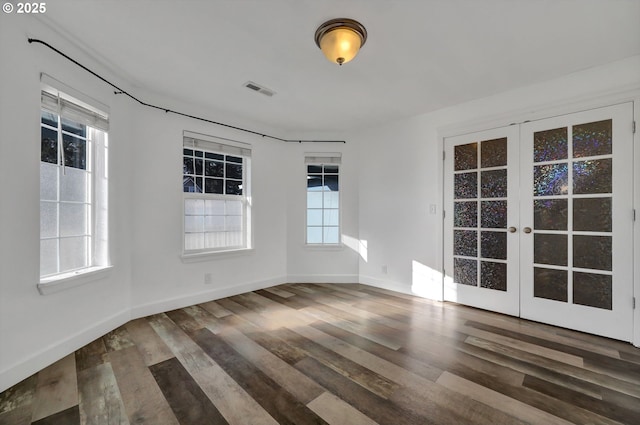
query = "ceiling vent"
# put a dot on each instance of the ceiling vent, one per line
(258, 88)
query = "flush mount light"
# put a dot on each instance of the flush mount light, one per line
(340, 39)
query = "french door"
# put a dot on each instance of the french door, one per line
(539, 220)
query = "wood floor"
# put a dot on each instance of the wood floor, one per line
(336, 354)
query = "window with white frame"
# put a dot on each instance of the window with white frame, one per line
(216, 190)
(323, 200)
(73, 187)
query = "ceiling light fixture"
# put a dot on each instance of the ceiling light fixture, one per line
(340, 39)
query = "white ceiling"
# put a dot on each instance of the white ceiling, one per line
(420, 55)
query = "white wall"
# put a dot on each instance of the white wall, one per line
(401, 170)
(145, 157)
(161, 279)
(36, 330)
(321, 264)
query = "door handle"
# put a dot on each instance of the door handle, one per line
(527, 230)
(512, 229)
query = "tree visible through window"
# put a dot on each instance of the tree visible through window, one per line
(72, 193)
(215, 188)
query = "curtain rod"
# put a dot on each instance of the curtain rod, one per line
(167, 110)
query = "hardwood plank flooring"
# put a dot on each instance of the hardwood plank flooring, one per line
(333, 354)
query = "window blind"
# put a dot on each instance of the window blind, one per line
(215, 144)
(323, 158)
(74, 111)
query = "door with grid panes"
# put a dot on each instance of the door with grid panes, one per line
(481, 195)
(577, 218)
(539, 220)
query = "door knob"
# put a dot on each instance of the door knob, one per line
(527, 230)
(512, 229)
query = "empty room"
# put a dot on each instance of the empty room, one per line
(349, 212)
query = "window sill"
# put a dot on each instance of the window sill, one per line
(65, 281)
(324, 247)
(213, 255)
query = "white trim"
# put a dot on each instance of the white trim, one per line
(636, 224)
(69, 280)
(215, 255)
(35, 362)
(168, 304)
(322, 278)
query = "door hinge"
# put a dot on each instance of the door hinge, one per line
(444, 155)
(633, 126)
(634, 303)
(444, 214)
(634, 215)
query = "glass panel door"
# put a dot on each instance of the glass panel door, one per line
(576, 209)
(481, 187)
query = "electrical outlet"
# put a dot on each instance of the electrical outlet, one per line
(208, 278)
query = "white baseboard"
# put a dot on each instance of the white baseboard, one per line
(169, 304)
(51, 354)
(322, 278)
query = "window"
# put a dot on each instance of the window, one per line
(323, 200)
(73, 187)
(215, 184)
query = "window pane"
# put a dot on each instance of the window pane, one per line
(187, 166)
(48, 181)
(214, 207)
(314, 183)
(49, 119)
(234, 239)
(331, 235)
(49, 146)
(235, 159)
(73, 219)
(314, 199)
(331, 199)
(331, 183)
(314, 217)
(213, 185)
(73, 253)
(75, 152)
(215, 240)
(234, 207)
(187, 152)
(198, 164)
(214, 223)
(73, 185)
(193, 241)
(314, 234)
(74, 127)
(193, 223)
(214, 169)
(315, 169)
(48, 219)
(331, 169)
(190, 184)
(331, 217)
(194, 207)
(211, 155)
(234, 171)
(198, 154)
(493, 153)
(233, 223)
(48, 257)
(233, 187)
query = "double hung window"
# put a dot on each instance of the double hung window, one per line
(215, 183)
(323, 200)
(73, 187)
